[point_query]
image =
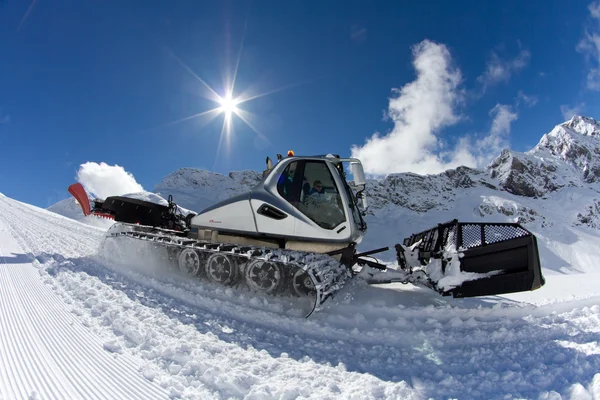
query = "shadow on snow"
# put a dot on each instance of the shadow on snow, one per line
(17, 258)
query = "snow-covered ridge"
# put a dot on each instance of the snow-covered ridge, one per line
(69, 208)
(197, 189)
(421, 193)
(567, 156)
(577, 142)
(191, 178)
(583, 125)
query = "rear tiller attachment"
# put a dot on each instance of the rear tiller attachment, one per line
(465, 259)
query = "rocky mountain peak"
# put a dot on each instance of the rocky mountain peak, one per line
(577, 142)
(585, 126)
(569, 155)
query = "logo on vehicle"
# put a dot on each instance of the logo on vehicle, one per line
(212, 221)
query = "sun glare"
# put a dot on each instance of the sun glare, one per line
(228, 105)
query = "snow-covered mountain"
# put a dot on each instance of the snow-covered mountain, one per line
(553, 189)
(197, 189)
(191, 188)
(568, 156)
(68, 207)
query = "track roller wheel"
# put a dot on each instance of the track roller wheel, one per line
(300, 283)
(221, 269)
(189, 262)
(264, 276)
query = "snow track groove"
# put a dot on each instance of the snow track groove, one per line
(83, 361)
(20, 327)
(20, 376)
(48, 351)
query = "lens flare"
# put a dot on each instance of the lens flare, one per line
(228, 105)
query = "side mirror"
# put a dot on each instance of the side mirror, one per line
(358, 173)
(363, 199)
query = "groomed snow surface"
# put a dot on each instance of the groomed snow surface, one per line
(73, 325)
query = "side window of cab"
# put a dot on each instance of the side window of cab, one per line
(287, 183)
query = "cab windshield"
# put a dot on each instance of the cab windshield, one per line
(309, 186)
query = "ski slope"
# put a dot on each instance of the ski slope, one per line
(75, 326)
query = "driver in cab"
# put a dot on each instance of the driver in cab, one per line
(317, 193)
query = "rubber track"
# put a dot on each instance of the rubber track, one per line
(327, 274)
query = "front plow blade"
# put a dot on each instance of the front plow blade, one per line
(504, 254)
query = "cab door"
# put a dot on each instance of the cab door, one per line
(322, 202)
(273, 205)
(302, 201)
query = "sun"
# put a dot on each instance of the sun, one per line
(228, 105)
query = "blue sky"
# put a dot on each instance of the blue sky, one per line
(442, 84)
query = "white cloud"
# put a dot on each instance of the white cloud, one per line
(497, 139)
(105, 180)
(529, 101)
(590, 47)
(419, 110)
(498, 70)
(595, 10)
(568, 112)
(503, 117)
